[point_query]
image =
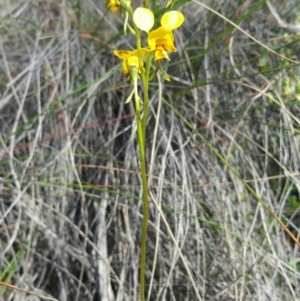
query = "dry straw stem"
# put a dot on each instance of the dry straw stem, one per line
(27, 292)
(288, 27)
(245, 32)
(186, 264)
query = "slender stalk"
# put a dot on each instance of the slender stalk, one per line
(141, 135)
(141, 139)
(141, 131)
(145, 221)
(145, 81)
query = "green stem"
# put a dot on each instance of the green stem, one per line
(141, 135)
(141, 130)
(141, 139)
(145, 80)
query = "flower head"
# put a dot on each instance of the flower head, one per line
(114, 5)
(130, 59)
(161, 39)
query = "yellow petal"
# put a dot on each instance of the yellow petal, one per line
(144, 51)
(124, 68)
(160, 53)
(143, 18)
(166, 45)
(162, 37)
(123, 54)
(161, 33)
(133, 62)
(172, 19)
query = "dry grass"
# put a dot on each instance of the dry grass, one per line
(70, 207)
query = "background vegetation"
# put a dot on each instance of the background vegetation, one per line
(69, 178)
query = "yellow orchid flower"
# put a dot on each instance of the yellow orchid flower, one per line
(161, 39)
(130, 59)
(114, 5)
